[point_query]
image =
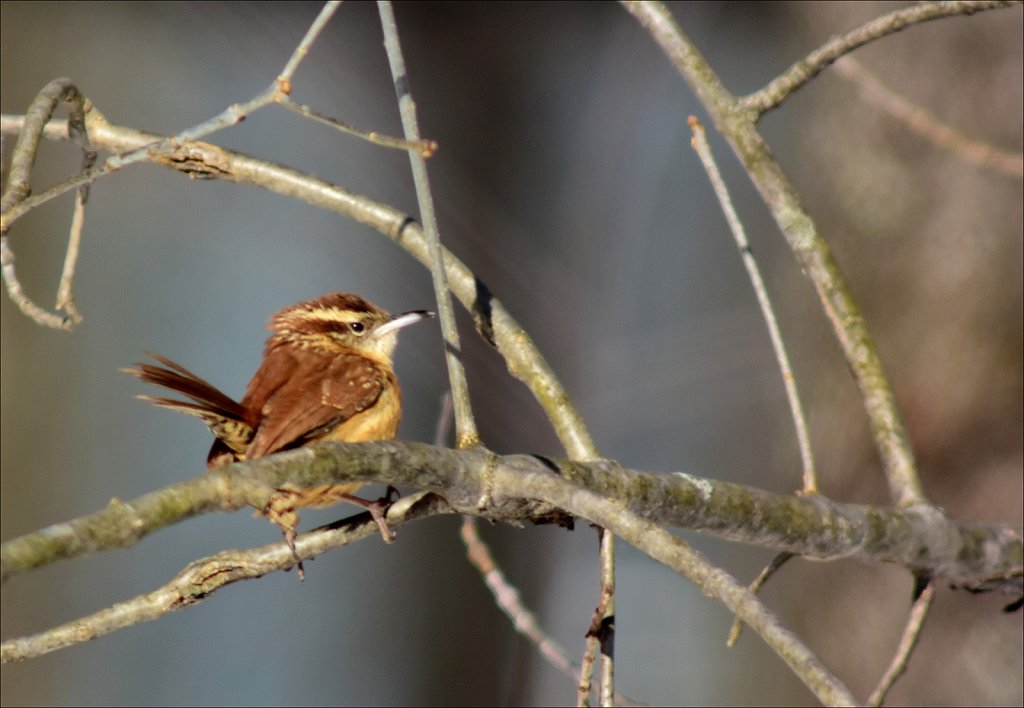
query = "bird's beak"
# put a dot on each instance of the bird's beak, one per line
(403, 320)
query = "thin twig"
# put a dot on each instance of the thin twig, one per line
(466, 434)
(509, 600)
(769, 570)
(285, 77)
(600, 636)
(911, 633)
(769, 97)
(163, 147)
(700, 144)
(926, 125)
(65, 294)
(606, 634)
(425, 147)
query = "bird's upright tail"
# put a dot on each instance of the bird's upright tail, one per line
(224, 416)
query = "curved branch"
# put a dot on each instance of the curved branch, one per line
(764, 100)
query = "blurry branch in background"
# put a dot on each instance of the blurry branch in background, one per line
(762, 577)
(18, 189)
(926, 125)
(780, 88)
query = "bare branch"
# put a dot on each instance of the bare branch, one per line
(762, 101)
(160, 148)
(920, 539)
(284, 79)
(466, 434)
(425, 147)
(524, 487)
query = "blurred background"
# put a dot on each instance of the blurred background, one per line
(565, 179)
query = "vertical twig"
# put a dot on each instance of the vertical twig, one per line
(466, 434)
(606, 637)
(700, 144)
(65, 295)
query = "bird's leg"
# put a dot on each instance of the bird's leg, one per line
(280, 510)
(378, 509)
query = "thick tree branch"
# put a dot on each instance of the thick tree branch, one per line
(921, 539)
(519, 488)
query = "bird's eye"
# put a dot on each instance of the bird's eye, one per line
(357, 327)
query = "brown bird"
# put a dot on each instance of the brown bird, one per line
(326, 374)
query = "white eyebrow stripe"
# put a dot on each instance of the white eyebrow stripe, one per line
(329, 314)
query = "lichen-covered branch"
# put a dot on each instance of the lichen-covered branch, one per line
(922, 539)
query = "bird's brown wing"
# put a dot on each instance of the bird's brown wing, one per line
(303, 394)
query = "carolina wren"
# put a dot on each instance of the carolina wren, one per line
(326, 374)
